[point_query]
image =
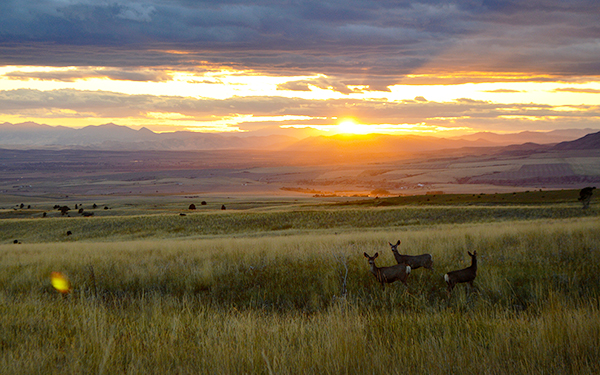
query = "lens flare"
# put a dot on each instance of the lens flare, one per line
(60, 282)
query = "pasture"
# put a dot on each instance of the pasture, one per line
(284, 288)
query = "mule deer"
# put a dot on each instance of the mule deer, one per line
(388, 274)
(414, 261)
(466, 275)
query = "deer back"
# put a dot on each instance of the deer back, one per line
(394, 273)
(463, 275)
(414, 261)
(388, 274)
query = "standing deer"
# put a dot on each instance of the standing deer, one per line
(466, 275)
(388, 274)
(414, 261)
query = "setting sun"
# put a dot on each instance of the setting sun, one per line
(351, 127)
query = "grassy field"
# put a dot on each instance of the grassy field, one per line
(285, 289)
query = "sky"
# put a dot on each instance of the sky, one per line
(300, 68)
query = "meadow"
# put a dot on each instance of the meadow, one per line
(285, 289)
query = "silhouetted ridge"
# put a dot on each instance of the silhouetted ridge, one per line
(588, 142)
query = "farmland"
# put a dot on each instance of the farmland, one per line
(282, 286)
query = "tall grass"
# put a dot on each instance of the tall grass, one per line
(163, 335)
(306, 303)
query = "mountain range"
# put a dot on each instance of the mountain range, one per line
(114, 137)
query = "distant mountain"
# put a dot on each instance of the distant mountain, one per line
(29, 133)
(589, 142)
(554, 136)
(112, 137)
(115, 137)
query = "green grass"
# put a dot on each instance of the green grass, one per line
(270, 222)
(533, 197)
(288, 292)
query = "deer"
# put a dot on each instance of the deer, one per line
(466, 275)
(388, 274)
(414, 261)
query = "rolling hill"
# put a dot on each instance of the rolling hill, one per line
(588, 142)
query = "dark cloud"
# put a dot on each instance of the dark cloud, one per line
(295, 86)
(322, 83)
(383, 40)
(72, 75)
(503, 91)
(578, 90)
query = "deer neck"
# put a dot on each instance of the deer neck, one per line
(374, 269)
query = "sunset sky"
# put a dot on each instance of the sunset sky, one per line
(302, 67)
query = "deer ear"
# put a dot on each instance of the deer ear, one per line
(376, 255)
(398, 243)
(468, 252)
(366, 255)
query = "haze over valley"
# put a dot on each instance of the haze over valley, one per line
(122, 138)
(113, 160)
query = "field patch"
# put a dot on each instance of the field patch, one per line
(288, 290)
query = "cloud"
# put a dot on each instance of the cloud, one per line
(73, 75)
(503, 91)
(136, 12)
(578, 90)
(461, 113)
(349, 40)
(322, 83)
(295, 86)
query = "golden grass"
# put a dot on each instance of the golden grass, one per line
(305, 302)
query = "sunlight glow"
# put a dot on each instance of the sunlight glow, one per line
(514, 96)
(226, 83)
(351, 127)
(231, 123)
(167, 115)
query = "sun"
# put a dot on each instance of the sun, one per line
(350, 127)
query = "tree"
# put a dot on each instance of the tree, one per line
(63, 210)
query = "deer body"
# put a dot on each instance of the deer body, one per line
(414, 261)
(466, 275)
(388, 274)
